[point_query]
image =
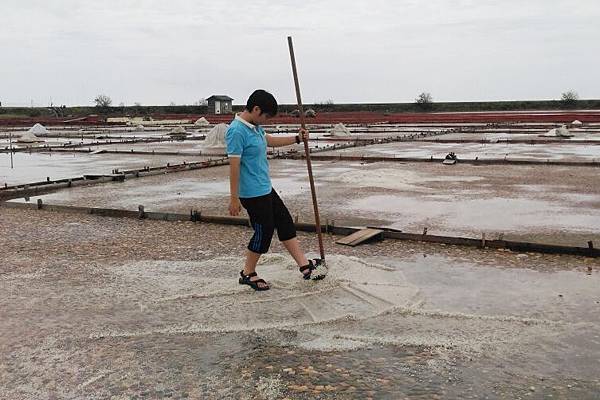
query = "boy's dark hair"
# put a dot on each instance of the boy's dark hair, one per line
(264, 100)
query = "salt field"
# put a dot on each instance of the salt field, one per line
(111, 307)
(391, 200)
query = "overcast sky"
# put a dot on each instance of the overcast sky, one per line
(158, 52)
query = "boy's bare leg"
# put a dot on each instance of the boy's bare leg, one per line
(293, 247)
(250, 266)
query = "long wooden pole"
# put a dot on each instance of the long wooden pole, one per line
(307, 151)
(11, 150)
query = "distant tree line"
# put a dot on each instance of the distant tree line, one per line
(423, 103)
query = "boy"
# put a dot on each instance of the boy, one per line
(250, 186)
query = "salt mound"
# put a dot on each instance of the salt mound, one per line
(38, 129)
(559, 132)
(29, 137)
(216, 136)
(180, 130)
(577, 122)
(202, 122)
(340, 130)
(563, 131)
(310, 113)
(140, 128)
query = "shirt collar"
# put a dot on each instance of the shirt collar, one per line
(243, 121)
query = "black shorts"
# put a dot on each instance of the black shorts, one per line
(268, 213)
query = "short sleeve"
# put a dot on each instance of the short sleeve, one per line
(235, 142)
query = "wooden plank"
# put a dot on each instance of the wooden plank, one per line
(449, 161)
(359, 237)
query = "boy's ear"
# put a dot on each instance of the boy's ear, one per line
(257, 108)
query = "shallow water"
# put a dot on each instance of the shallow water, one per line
(482, 151)
(36, 167)
(445, 215)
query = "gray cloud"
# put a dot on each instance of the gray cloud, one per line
(156, 52)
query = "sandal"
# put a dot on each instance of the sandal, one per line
(311, 266)
(246, 280)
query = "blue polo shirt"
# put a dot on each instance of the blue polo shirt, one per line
(249, 143)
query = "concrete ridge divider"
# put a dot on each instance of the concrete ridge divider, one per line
(195, 216)
(144, 152)
(41, 188)
(476, 161)
(76, 147)
(511, 141)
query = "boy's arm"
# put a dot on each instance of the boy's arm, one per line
(234, 183)
(278, 141)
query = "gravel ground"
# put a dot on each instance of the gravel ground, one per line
(493, 324)
(30, 234)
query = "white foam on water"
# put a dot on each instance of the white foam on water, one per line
(353, 289)
(360, 304)
(469, 334)
(333, 343)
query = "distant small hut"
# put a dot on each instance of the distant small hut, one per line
(220, 104)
